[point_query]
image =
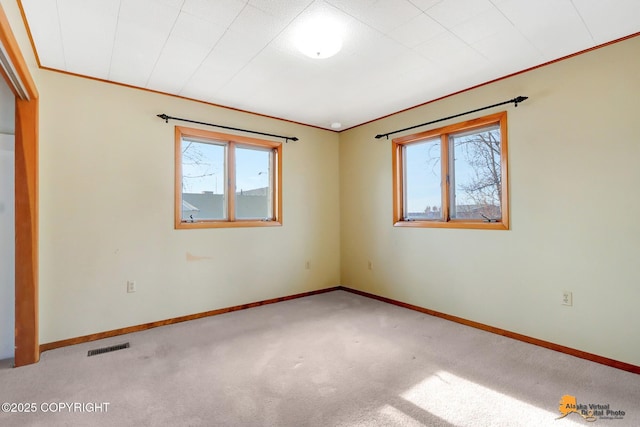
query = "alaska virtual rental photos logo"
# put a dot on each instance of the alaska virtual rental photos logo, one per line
(590, 412)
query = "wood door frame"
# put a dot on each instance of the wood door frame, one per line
(16, 73)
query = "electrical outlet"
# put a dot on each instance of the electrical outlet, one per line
(567, 298)
(307, 265)
(369, 265)
(131, 286)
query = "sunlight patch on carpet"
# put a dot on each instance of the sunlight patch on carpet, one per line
(466, 403)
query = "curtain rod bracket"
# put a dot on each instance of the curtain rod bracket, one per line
(166, 119)
(519, 99)
(515, 101)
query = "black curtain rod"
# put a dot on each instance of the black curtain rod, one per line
(166, 119)
(516, 101)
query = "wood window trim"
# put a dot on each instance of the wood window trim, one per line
(231, 222)
(398, 176)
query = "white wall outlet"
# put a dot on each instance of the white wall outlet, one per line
(307, 265)
(567, 298)
(131, 286)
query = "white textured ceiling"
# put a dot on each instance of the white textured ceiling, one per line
(241, 53)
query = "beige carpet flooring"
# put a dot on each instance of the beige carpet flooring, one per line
(333, 359)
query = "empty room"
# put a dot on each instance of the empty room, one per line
(319, 213)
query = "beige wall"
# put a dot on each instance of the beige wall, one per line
(103, 155)
(574, 155)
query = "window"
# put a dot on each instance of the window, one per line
(453, 177)
(226, 180)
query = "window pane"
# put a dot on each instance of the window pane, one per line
(422, 180)
(203, 181)
(254, 189)
(475, 177)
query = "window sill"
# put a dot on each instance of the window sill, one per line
(476, 225)
(226, 224)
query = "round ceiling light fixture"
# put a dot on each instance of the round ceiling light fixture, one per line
(319, 38)
(336, 125)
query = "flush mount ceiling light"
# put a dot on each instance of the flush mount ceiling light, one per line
(319, 38)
